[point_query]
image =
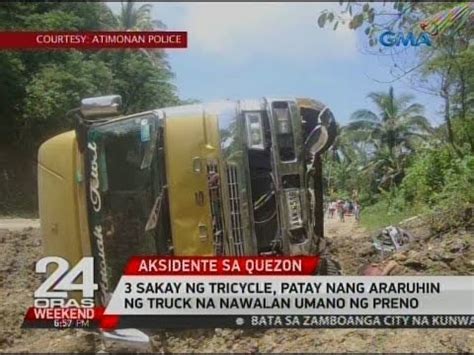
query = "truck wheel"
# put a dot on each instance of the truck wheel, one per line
(329, 267)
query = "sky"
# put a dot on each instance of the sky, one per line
(251, 50)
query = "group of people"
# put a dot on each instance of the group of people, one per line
(343, 207)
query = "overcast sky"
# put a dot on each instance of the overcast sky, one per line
(246, 50)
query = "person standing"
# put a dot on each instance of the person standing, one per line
(347, 208)
(340, 210)
(332, 209)
(357, 211)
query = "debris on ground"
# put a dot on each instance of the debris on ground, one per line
(446, 253)
(20, 249)
(392, 239)
(450, 252)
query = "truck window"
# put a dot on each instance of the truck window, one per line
(127, 174)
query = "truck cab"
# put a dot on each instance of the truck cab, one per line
(228, 178)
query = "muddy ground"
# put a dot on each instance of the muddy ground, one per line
(449, 253)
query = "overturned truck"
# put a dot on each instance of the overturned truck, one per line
(228, 178)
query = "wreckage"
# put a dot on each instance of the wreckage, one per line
(392, 239)
(231, 178)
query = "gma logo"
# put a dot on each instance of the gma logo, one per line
(390, 39)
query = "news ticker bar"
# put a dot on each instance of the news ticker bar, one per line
(93, 40)
(267, 295)
(199, 292)
(360, 321)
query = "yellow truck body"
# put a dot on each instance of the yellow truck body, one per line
(226, 178)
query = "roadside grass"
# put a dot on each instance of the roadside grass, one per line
(380, 215)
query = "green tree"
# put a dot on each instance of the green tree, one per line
(57, 88)
(343, 164)
(12, 87)
(139, 18)
(391, 132)
(453, 65)
(37, 88)
(143, 77)
(396, 123)
(443, 69)
(141, 85)
(133, 17)
(438, 175)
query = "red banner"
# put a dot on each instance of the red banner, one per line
(258, 265)
(93, 40)
(47, 316)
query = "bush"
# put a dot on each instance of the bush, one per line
(437, 175)
(438, 183)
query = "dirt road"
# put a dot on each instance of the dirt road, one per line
(351, 246)
(18, 224)
(20, 250)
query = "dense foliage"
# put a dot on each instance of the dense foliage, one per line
(392, 160)
(38, 88)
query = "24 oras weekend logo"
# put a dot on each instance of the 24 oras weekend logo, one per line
(66, 299)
